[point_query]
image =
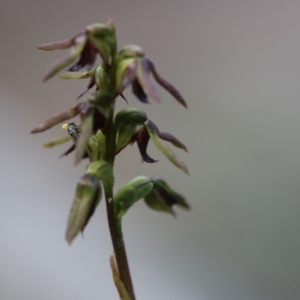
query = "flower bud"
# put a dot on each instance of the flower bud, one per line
(87, 197)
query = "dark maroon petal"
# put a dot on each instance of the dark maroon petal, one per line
(142, 139)
(62, 44)
(85, 108)
(57, 118)
(123, 97)
(126, 73)
(91, 84)
(172, 139)
(98, 121)
(70, 150)
(87, 58)
(144, 70)
(138, 91)
(167, 85)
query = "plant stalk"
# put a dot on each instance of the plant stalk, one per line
(115, 226)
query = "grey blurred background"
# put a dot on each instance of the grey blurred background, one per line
(237, 64)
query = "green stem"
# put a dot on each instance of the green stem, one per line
(115, 224)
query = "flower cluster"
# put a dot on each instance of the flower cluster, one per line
(101, 134)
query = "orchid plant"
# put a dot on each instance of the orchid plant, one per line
(103, 133)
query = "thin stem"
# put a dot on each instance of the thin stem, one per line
(115, 224)
(118, 244)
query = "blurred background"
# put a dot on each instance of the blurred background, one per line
(237, 64)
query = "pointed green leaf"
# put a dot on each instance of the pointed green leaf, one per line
(143, 76)
(153, 132)
(87, 197)
(101, 169)
(66, 60)
(86, 132)
(134, 190)
(57, 118)
(130, 114)
(57, 141)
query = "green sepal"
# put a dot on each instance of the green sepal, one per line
(57, 141)
(134, 190)
(101, 78)
(97, 146)
(126, 73)
(78, 75)
(154, 135)
(101, 169)
(126, 135)
(87, 197)
(103, 38)
(130, 114)
(156, 202)
(66, 60)
(179, 199)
